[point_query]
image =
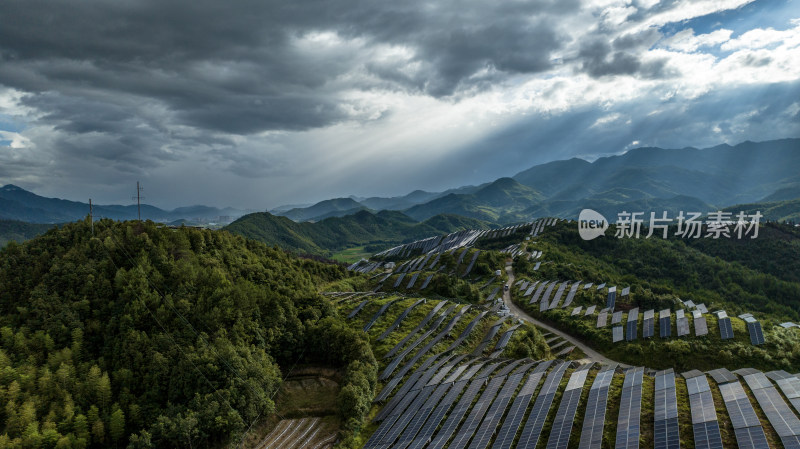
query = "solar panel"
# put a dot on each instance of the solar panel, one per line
(756, 334)
(399, 280)
(377, 315)
(415, 419)
(616, 334)
(616, 317)
(631, 330)
(722, 375)
(689, 304)
(493, 294)
(587, 286)
(602, 319)
(725, 328)
(536, 267)
(702, 308)
(707, 435)
(590, 310)
(524, 285)
(700, 326)
(419, 327)
(530, 289)
(751, 438)
(571, 296)
(740, 411)
(682, 323)
(664, 323)
(612, 298)
(533, 426)
(576, 311)
(600, 287)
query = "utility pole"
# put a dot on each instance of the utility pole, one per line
(91, 218)
(139, 199)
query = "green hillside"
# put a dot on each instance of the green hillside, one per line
(375, 231)
(143, 336)
(19, 231)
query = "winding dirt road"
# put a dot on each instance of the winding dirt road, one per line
(591, 354)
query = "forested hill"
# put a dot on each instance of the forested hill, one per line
(145, 336)
(378, 230)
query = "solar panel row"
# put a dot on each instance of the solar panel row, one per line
(666, 434)
(458, 412)
(400, 319)
(437, 415)
(495, 413)
(559, 294)
(704, 416)
(377, 315)
(571, 296)
(419, 327)
(538, 293)
(357, 309)
(533, 426)
(628, 428)
(594, 416)
(517, 411)
(783, 420)
(565, 416)
(477, 413)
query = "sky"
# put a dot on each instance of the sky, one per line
(254, 104)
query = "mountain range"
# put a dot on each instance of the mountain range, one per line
(647, 178)
(19, 204)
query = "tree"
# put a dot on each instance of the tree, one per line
(116, 426)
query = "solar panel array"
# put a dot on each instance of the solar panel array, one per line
(725, 328)
(538, 293)
(595, 413)
(565, 416)
(530, 289)
(357, 309)
(789, 384)
(377, 315)
(517, 411)
(419, 327)
(400, 319)
(664, 323)
(783, 420)
(666, 434)
(493, 294)
(413, 280)
(647, 324)
(630, 408)
(746, 425)
(448, 428)
(477, 413)
(632, 325)
(545, 304)
(492, 420)
(704, 416)
(437, 415)
(533, 426)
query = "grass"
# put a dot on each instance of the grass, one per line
(351, 255)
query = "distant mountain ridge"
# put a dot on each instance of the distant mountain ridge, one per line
(646, 178)
(19, 204)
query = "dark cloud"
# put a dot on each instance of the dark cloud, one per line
(237, 68)
(598, 57)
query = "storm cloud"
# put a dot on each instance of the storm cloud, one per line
(265, 96)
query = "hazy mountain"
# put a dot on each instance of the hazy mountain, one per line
(324, 209)
(17, 203)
